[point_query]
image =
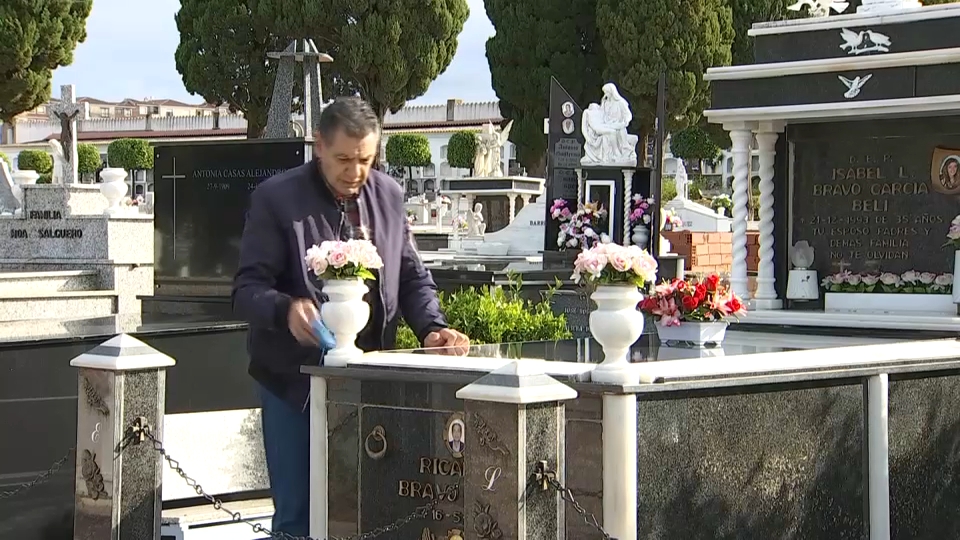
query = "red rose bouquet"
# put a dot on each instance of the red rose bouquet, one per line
(694, 300)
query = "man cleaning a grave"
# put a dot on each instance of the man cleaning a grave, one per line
(337, 196)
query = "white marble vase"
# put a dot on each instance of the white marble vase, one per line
(641, 236)
(345, 314)
(616, 324)
(114, 188)
(956, 268)
(696, 334)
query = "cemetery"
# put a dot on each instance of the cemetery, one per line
(628, 377)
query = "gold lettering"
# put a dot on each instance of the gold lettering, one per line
(430, 491)
(425, 466)
(441, 466)
(874, 205)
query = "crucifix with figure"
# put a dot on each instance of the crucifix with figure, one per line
(66, 112)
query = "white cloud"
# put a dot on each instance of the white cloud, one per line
(129, 52)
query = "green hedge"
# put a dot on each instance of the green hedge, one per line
(495, 315)
(88, 159)
(130, 154)
(35, 160)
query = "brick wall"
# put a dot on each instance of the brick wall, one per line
(705, 252)
(712, 252)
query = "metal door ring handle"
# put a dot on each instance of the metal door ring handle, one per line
(378, 434)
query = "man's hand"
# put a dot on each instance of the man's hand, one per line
(300, 321)
(447, 341)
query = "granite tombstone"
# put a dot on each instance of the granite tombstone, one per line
(876, 195)
(563, 157)
(202, 196)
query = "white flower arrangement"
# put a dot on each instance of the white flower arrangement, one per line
(909, 282)
(344, 260)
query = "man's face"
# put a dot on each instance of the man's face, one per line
(346, 161)
(457, 432)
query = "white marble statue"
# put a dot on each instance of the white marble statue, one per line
(606, 141)
(477, 226)
(486, 162)
(60, 170)
(11, 196)
(681, 181)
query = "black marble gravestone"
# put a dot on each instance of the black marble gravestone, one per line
(868, 195)
(202, 196)
(564, 148)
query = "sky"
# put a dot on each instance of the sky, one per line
(135, 47)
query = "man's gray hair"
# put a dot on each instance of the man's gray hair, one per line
(352, 115)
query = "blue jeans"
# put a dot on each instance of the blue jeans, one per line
(286, 439)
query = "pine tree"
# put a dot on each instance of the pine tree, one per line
(643, 38)
(537, 39)
(36, 37)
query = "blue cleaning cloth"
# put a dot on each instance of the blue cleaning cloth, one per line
(327, 341)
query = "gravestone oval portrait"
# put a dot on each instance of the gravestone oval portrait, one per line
(454, 435)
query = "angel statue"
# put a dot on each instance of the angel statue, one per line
(59, 162)
(486, 162)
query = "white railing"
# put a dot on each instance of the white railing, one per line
(35, 130)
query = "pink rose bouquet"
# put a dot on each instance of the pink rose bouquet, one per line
(613, 264)
(344, 260)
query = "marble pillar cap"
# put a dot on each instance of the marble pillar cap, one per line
(518, 382)
(122, 353)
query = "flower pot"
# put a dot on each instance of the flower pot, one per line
(25, 178)
(695, 334)
(616, 324)
(345, 314)
(114, 188)
(721, 210)
(641, 236)
(891, 303)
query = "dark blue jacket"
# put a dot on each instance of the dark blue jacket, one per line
(291, 212)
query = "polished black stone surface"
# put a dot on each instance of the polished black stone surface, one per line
(416, 468)
(766, 465)
(923, 35)
(865, 194)
(202, 195)
(886, 83)
(48, 331)
(924, 457)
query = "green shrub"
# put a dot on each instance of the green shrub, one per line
(668, 190)
(88, 159)
(130, 154)
(45, 178)
(462, 149)
(6, 159)
(35, 160)
(495, 315)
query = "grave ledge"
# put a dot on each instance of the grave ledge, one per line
(880, 321)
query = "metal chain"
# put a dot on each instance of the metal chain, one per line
(40, 478)
(567, 495)
(420, 512)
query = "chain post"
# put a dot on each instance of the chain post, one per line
(421, 512)
(547, 478)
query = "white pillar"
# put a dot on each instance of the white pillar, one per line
(319, 453)
(620, 465)
(878, 452)
(513, 206)
(627, 200)
(525, 199)
(742, 135)
(766, 295)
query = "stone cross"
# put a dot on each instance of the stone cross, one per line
(66, 112)
(841, 265)
(278, 117)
